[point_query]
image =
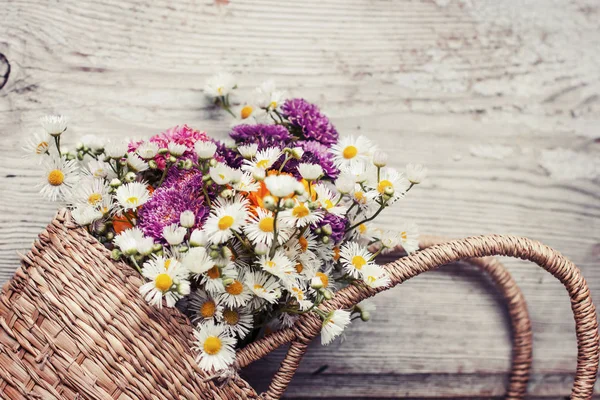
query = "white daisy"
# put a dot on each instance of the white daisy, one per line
(380, 159)
(260, 228)
(345, 184)
(330, 201)
(89, 190)
(389, 178)
(215, 347)
(204, 307)
(54, 124)
(132, 195)
(212, 280)
(354, 257)
(147, 150)
(167, 279)
(116, 148)
(348, 151)
(278, 265)
(176, 149)
(135, 163)
(224, 220)
(198, 261)
(93, 142)
(238, 321)
(205, 149)
(219, 85)
(301, 215)
(85, 214)
(268, 97)
(364, 232)
(334, 325)
(409, 237)
(324, 279)
(236, 294)
(301, 296)
(198, 238)
(416, 173)
(374, 276)
(174, 234)
(37, 147)
(263, 286)
(263, 160)
(100, 169)
(222, 174)
(360, 171)
(389, 239)
(281, 185)
(248, 150)
(310, 172)
(128, 240)
(246, 184)
(60, 176)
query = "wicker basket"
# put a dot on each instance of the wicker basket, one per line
(73, 325)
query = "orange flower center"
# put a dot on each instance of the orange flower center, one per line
(324, 278)
(208, 309)
(56, 177)
(236, 288)
(246, 112)
(214, 272)
(94, 198)
(300, 211)
(303, 243)
(232, 317)
(212, 345)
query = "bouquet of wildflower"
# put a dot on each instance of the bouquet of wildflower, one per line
(243, 235)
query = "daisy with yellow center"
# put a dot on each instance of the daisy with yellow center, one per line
(298, 293)
(37, 147)
(409, 237)
(392, 185)
(219, 85)
(204, 307)
(268, 97)
(330, 201)
(225, 219)
(263, 286)
(236, 294)
(167, 278)
(91, 191)
(215, 347)
(349, 150)
(85, 214)
(261, 227)
(374, 276)
(301, 215)
(212, 279)
(334, 325)
(237, 321)
(246, 184)
(132, 195)
(197, 261)
(60, 177)
(263, 160)
(279, 265)
(354, 257)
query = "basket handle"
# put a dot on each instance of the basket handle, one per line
(584, 311)
(517, 308)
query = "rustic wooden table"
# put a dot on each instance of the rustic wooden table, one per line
(500, 99)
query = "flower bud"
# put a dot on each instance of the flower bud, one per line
(115, 183)
(214, 254)
(187, 219)
(79, 146)
(152, 164)
(380, 159)
(289, 203)
(172, 159)
(325, 239)
(261, 249)
(183, 249)
(188, 164)
(156, 247)
(227, 194)
(259, 174)
(316, 283)
(116, 254)
(198, 238)
(110, 236)
(130, 177)
(365, 316)
(213, 162)
(297, 152)
(226, 252)
(228, 281)
(388, 191)
(327, 294)
(269, 202)
(327, 229)
(163, 151)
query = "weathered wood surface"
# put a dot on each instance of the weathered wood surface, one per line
(427, 79)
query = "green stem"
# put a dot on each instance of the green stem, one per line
(371, 218)
(274, 245)
(206, 195)
(57, 143)
(243, 242)
(287, 158)
(164, 174)
(378, 252)
(132, 258)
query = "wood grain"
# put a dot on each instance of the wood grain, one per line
(426, 79)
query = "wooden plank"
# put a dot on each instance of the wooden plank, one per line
(426, 79)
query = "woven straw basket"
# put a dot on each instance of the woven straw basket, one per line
(73, 326)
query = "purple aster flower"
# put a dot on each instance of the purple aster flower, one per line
(316, 153)
(310, 123)
(228, 156)
(262, 134)
(181, 191)
(338, 226)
